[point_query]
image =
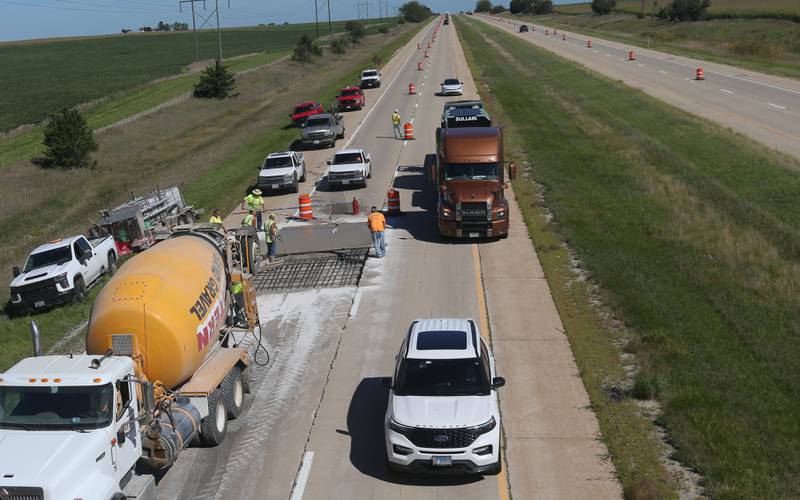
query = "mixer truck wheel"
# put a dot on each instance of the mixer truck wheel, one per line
(214, 427)
(233, 389)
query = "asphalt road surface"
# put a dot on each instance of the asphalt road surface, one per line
(763, 107)
(313, 428)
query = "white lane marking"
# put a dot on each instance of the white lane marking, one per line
(608, 55)
(776, 106)
(416, 105)
(354, 306)
(411, 121)
(302, 476)
(662, 72)
(641, 65)
(420, 94)
(727, 91)
(405, 142)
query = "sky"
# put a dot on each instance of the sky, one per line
(26, 19)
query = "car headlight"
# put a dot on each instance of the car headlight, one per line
(484, 428)
(61, 280)
(16, 298)
(400, 428)
(446, 212)
(500, 214)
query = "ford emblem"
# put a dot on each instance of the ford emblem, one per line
(441, 438)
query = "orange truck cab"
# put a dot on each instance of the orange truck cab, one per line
(468, 172)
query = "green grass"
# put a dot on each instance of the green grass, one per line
(717, 6)
(692, 233)
(50, 75)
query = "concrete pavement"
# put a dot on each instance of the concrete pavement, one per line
(763, 107)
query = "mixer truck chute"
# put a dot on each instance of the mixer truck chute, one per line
(161, 370)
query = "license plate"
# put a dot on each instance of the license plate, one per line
(474, 235)
(316, 142)
(39, 304)
(442, 461)
(345, 181)
(275, 186)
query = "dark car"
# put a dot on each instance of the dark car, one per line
(523, 28)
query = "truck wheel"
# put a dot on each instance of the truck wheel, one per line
(303, 177)
(118, 496)
(246, 382)
(112, 264)
(214, 427)
(79, 290)
(295, 185)
(233, 389)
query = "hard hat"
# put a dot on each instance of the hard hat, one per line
(257, 192)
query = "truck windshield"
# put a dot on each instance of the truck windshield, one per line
(303, 108)
(442, 377)
(54, 407)
(278, 162)
(54, 256)
(318, 122)
(474, 171)
(345, 158)
(349, 92)
(368, 74)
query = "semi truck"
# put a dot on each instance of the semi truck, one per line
(161, 371)
(468, 172)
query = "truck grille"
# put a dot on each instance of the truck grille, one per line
(473, 211)
(42, 290)
(317, 135)
(21, 493)
(338, 176)
(443, 438)
(272, 179)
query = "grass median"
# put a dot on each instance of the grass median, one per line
(692, 234)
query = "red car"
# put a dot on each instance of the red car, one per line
(350, 98)
(305, 109)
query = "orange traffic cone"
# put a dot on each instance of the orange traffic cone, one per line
(588, 44)
(411, 89)
(631, 56)
(700, 75)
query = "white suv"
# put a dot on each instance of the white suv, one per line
(443, 414)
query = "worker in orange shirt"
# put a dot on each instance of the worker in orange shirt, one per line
(377, 225)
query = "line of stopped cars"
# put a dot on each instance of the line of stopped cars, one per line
(319, 128)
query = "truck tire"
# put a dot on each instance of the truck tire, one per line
(295, 184)
(233, 390)
(303, 177)
(112, 264)
(78, 290)
(214, 427)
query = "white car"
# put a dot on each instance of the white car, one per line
(370, 78)
(349, 167)
(452, 86)
(443, 414)
(284, 170)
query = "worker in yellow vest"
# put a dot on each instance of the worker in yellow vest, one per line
(254, 202)
(216, 218)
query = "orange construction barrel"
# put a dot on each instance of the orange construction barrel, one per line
(393, 202)
(409, 131)
(588, 44)
(419, 66)
(411, 89)
(700, 75)
(305, 207)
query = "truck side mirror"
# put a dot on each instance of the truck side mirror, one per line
(15, 271)
(386, 382)
(328, 162)
(512, 171)
(121, 436)
(498, 382)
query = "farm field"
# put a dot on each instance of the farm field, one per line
(717, 6)
(68, 72)
(691, 246)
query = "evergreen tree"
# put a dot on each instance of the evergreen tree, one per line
(216, 82)
(68, 141)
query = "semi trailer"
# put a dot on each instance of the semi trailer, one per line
(161, 370)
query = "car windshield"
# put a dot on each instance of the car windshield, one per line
(318, 122)
(476, 171)
(442, 377)
(369, 73)
(344, 158)
(303, 108)
(55, 407)
(54, 256)
(348, 92)
(451, 81)
(278, 162)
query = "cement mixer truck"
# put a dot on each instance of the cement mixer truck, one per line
(162, 370)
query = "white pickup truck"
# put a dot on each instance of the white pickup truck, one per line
(283, 170)
(349, 167)
(61, 271)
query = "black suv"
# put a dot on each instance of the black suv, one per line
(523, 28)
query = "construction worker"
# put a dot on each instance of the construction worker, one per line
(254, 202)
(237, 291)
(271, 231)
(249, 219)
(377, 225)
(216, 218)
(398, 132)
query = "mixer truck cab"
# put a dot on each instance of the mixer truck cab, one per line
(160, 371)
(468, 172)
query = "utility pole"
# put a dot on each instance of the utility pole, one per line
(219, 33)
(316, 17)
(330, 25)
(194, 23)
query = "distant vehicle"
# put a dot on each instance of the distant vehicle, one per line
(443, 414)
(305, 109)
(452, 86)
(284, 170)
(61, 272)
(446, 20)
(138, 223)
(454, 107)
(523, 28)
(322, 130)
(370, 78)
(349, 167)
(350, 98)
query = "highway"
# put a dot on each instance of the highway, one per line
(313, 428)
(763, 107)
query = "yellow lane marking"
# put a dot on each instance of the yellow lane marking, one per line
(483, 312)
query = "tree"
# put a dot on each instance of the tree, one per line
(541, 7)
(520, 6)
(216, 82)
(687, 10)
(414, 12)
(179, 26)
(356, 30)
(497, 9)
(68, 141)
(483, 6)
(603, 7)
(306, 49)
(162, 26)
